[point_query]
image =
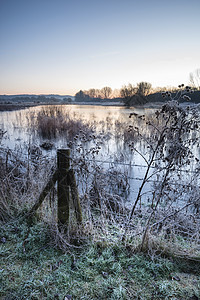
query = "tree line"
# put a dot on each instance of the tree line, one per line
(128, 93)
(104, 93)
(138, 94)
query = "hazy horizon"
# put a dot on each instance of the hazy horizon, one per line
(61, 47)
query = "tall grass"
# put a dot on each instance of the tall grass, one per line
(102, 193)
(54, 121)
(22, 176)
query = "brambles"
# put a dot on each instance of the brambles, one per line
(172, 143)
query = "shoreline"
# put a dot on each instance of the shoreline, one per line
(19, 106)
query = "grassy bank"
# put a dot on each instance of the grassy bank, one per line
(32, 267)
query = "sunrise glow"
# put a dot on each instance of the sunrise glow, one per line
(62, 46)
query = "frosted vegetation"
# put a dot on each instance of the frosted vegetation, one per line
(163, 204)
(137, 172)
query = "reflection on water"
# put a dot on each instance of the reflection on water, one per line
(19, 125)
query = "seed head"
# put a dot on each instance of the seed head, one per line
(186, 98)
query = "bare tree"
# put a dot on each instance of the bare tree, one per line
(116, 93)
(106, 91)
(127, 92)
(144, 88)
(135, 95)
(92, 93)
(195, 79)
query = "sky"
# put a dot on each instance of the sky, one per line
(63, 46)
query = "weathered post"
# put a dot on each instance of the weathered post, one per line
(66, 184)
(63, 163)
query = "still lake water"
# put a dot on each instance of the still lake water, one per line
(18, 125)
(107, 121)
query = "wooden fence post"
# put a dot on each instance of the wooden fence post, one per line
(63, 164)
(66, 184)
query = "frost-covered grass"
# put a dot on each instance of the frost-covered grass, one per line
(31, 268)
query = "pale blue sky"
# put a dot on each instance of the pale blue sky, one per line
(62, 46)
